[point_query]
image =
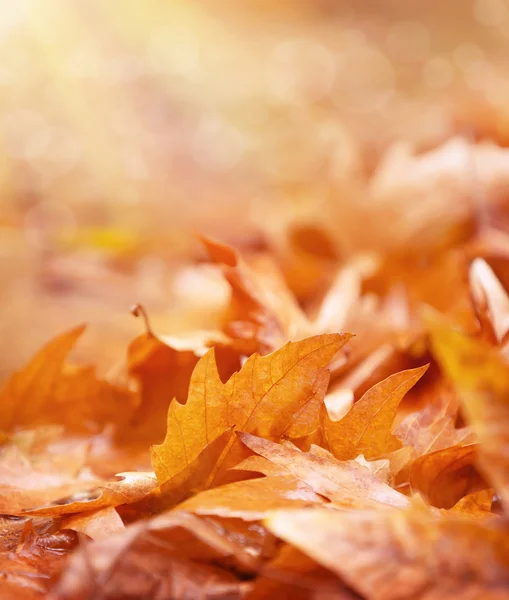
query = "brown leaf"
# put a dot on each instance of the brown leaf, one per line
(97, 524)
(164, 557)
(445, 476)
(481, 377)
(292, 575)
(345, 483)
(163, 368)
(131, 488)
(263, 398)
(30, 392)
(414, 554)
(25, 483)
(250, 318)
(366, 429)
(252, 499)
(475, 504)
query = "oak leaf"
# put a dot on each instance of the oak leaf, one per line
(367, 428)
(345, 483)
(262, 398)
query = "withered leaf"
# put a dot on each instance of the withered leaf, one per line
(262, 398)
(346, 483)
(367, 428)
(433, 556)
(30, 391)
(131, 488)
(252, 499)
(96, 524)
(162, 557)
(445, 476)
(481, 377)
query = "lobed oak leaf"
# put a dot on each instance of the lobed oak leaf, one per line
(264, 397)
(162, 367)
(481, 377)
(345, 483)
(366, 428)
(433, 555)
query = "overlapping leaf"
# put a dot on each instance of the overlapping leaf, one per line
(481, 376)
(262, 398)
(367, 428)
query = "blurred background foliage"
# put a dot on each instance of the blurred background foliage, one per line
(126, 126)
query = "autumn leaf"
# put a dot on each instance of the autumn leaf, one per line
(431, 555)
(192, 479)
(96, 524)
(291, 575)
(170, 551)
(445, 476)
(162, 367)
(256, 317)
(345, 483)
(431, 429)
(252, 499)
(481, 377)
(262, 398)
(131, 488)
(476, 504)
(29, 392)
(367, 428)
(26, 482)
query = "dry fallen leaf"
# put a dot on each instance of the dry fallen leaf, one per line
(268, 396)
(481, 377)
(367, 428)
(345, 483)
(432, 556)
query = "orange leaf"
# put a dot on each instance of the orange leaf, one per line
(445, 476)
(346, 483)
(262, 398)
(409, 554)
(30, 392)
(252, 499)
(97, 524)
(131, 488)
(481, 377)
(366, 428)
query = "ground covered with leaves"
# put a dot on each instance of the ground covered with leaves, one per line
(354, 449)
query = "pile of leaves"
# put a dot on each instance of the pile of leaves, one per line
(350, 444)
